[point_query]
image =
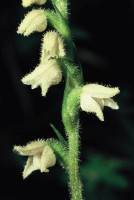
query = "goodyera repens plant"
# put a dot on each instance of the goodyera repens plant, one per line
(58, 61)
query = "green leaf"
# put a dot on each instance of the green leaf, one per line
(59, 135)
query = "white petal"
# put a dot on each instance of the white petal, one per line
(35, 20)
(44, 87)
(34, 78)
(36, 160)
(45, 75)
(39, 25)
(52, 46)
(111, 103)
(29, 167)
(45, 56)
(31, 148)
(26, 3)
(88, 104)
(52, 76)
(99, 91)
(61, 47)
(100, 102)
(48, 159)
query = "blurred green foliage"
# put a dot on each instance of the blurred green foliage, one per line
(100, 172)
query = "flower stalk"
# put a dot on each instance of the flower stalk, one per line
(70, 117)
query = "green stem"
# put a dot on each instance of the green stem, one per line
(70, 106)
(70, 117)
(73, 169)
(62, 6)
(72, 128)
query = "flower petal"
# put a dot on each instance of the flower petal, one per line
(99, 91)
(100, 102)
(52, 46)
(29, 167)
(26, 3)
(111, 103)
(34, 78)
(35, 20)
(48, 159)
(36, 160)
(31, 148)
(88, 104)
(45, 75)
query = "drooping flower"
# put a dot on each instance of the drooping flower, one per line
(52, 46)
(44, 75)
(94, 97)
(40, 156)
(34, 21)
(26, 3)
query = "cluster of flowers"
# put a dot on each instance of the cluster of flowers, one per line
(47, 73)
(93, 97)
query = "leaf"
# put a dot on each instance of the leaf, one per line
(59, 135)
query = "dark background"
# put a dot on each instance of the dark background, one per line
(103, 33)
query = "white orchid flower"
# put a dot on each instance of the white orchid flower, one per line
(44, 75)
(52, 46)
(35, 20)
(40, 156)
(94, 97)
(26, 3)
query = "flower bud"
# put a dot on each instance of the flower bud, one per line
(34, 21)
(26, 3)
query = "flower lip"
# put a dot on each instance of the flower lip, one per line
(89, 105)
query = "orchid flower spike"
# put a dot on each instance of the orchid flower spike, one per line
(44, 75)
(35, 20)
(26, 3)
(40, 156)
(52, 46)
(94, 97)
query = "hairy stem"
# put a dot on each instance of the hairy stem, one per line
(73, 168)
(70, 106)
(73, 159)
(70, 117)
